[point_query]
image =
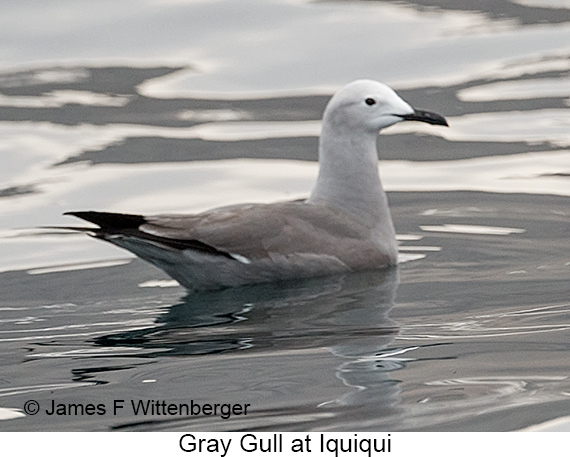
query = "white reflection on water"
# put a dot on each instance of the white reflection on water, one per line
(532, 173)
(471, 229)
(545, 3)
(562, 424)
(78, 266)
(48, 334)
(420, 248)
(491, 325)
(10, 413)
(34, 252)
(548, 125)
(529, 65)
(502, 385)
(517, 90)
(58, 98)
(40, 77)
(237, 131)
(404, 257)
(160, 283)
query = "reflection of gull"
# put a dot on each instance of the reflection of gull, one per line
(267, 324)
(347, 313)
(344, 225)
(367, 362)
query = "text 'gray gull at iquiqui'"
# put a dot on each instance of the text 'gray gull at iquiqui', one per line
(344, 225)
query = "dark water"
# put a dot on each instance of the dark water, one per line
(470, 332)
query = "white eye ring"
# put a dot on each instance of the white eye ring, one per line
(370, 101)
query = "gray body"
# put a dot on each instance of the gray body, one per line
(264, 243)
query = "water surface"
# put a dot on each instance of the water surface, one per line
(221, 104)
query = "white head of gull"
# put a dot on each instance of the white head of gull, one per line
(344, 225)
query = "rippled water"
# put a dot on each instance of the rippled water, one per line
(220, 104)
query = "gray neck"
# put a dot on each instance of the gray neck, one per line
(348, 176)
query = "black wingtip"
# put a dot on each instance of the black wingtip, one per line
(128, 225)
(110, 221)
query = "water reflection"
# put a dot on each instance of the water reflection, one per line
(347, 314)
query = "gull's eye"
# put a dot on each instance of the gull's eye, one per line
(370, 101)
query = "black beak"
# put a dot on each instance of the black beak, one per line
(425, 116)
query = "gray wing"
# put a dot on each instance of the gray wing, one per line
(262, 231)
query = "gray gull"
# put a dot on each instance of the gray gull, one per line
(344, 225)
